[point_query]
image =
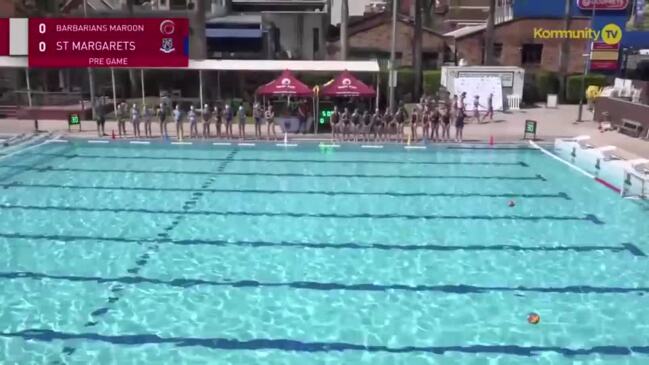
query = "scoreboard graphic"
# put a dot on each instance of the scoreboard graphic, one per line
(105, 42)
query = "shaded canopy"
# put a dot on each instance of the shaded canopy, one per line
(346, 84)
(285, 84)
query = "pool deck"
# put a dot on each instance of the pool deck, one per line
(507, 128)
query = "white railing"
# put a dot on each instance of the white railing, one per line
(513, 102)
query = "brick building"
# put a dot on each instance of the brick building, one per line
(515, 45)
(370, 37)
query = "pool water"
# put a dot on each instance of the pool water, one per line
(159, 254)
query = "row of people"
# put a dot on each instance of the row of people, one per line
(223, 119)
(434, 123)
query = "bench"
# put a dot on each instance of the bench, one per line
(630, 128)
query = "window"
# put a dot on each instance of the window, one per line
(498, 50)
(531, 54)
(316, 40)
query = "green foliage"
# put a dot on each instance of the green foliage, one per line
(432, 81)
(537, 86)
(574, 90)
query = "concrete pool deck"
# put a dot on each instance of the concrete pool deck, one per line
(507, 128)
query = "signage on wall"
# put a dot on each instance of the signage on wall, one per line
(507, 78)
(604, 57)
(103, 42)
(602, 4)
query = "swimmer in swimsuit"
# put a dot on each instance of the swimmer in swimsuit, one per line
(207, 119)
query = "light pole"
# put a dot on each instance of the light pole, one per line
(393, 55)
(586, 70)
(91, 78)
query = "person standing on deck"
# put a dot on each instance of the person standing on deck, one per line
(178, 118)
(270, 122)
(218, 120)
(162, 116)
(146, 118)
(135, 120)
(490, 108)
(207, 119)
(228, 115)
(193, 122)
(258, 115)
(241, 114)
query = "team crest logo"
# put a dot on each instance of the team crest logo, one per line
(286, 82)
(167, 45)
(167, 27)
(347, 82)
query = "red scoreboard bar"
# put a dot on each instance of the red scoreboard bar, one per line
(102, 42)
(4, 37)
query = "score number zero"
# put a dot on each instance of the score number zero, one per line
(41, 29)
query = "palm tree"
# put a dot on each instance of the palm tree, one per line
(489, 34)
(565, 50)
(200, 42)
(417, 51)
(344, 38)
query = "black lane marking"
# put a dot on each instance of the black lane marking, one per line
(321, 286)
(269, 174)
(230, 344)
(302, 161)
(204, 189)
(588, 217)
(143, 259)
(624, 247)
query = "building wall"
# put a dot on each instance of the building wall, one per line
(513, 35)
(379, 39)
(7, 8)
(296, 32)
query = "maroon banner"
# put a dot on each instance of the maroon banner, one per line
(602, 4)
(101, 42)
(603, 65)
(4, 37)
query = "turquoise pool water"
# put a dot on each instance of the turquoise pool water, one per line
(133, 254)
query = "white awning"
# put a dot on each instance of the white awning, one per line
(247, 65)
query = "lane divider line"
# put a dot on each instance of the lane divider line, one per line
(286, 145)
(140, 142)
(246, 144)
(372, 146)
(98, 141)
(221, 144)
(415, 147)
(182, 143)
(28, 148)
(576, 168)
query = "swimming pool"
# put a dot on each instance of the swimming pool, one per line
(157, 254)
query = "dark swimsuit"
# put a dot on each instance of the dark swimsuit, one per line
(459, 120)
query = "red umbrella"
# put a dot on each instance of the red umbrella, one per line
(285, 84)
(345, 85)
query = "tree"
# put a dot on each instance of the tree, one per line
(489, 35)
(565, 51)
(417, 51)
(200, 40)
(344, 37)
